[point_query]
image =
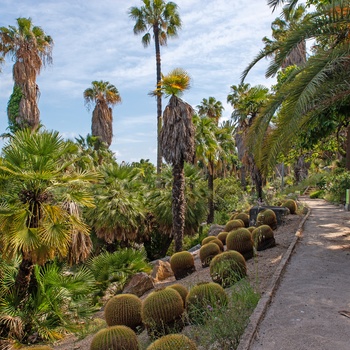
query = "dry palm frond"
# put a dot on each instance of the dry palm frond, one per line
(177, 135)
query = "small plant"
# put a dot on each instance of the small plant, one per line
(222, 236)
(233, 225)
(202, 299)
(291, 205)
(124, 309)
(267, 217)
(182, 264)
(317, 194)
(207, 252)
(263, 237)
(162, 312)
(115, 338)
(173, 342)
(241, 240)
(181, 289)
(228, 268)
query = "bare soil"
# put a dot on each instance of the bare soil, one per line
(260, 271)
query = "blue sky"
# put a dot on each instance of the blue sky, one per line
(94, 40)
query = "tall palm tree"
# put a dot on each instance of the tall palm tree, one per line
(37, 182)
(31, 49)
(177, 141)
(162, 20)
(247, 102)
(104, 95)
(208, 148)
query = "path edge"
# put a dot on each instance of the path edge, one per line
(259, 312)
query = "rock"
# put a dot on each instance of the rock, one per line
(112, 290)
(215, 229)
(161, 271)
(194, 249)
(139, 284)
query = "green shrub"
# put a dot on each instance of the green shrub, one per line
(124, 309)
(162, 312)
(115, 338)
(182, 264)
(317, 194)
(173, 342)
(228, 268)
(336, 189)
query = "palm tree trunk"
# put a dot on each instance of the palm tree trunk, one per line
(178, 204)
(159, 99)
(210, 217)
(23, 279)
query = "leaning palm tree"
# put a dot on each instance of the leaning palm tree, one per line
(104, 95)
(177, 141)
(38, 182)
(163, 20)
(31, 49)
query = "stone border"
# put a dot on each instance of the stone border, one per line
(260, 310)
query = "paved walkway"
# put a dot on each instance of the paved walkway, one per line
(304, 312)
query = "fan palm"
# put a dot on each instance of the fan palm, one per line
(119, 214)
(104, 95)
(210, 108)
(177, 141)
(31, 49)
(37, 182)
(162, 20)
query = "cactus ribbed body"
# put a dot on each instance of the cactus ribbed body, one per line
(162, 311)
(207, 252)
(251, 228)
(115, 338)
(208, 239)
(267, 217)
(228, 268)
(173, 342)
(222, 236)
(241, 241)
(244, 217)
(263, 237)
(181, 289)
(124, 309)
(203, 298)
(233, 225)
(291, 205)
(182, 264)
(38, 347)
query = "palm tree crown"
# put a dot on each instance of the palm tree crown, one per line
(163, 20)
(31, 49)
(104, 95)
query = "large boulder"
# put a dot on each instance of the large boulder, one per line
(139, 284)
(161, 271)
(215, 229)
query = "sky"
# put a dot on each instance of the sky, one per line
(94, 40)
